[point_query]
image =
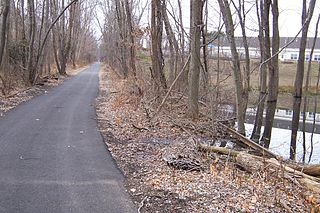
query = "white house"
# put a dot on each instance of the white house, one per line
(290, 53)
(223, 47)
(287, 114)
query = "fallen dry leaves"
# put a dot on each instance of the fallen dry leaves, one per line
(139, 147)
(23, 94)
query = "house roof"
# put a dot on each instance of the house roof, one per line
(254, 42)
(296, 43)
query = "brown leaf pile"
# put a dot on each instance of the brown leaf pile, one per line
(140, 146)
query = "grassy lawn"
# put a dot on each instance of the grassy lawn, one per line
(286, 81)
(287, 73)
(285, 101)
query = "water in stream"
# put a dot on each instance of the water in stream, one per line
(280, 144)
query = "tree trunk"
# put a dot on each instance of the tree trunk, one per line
(122, 34)
(173, 46)
(62, 43)
(131, 38)
(297, 95)
(314, 114)
(23, 32)
(195, 62)
(204, 32)
(246, 73)
(227, 17)
(264, 15)
(66, 41)
(3, 32)
(306, 91)
(184, 78)
(217, 98)
(32, 33)
(156, 49)
(273, 80)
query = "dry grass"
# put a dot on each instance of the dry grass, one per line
(287, 73)
(286, 81)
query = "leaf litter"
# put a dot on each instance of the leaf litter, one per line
(147, 153)
(22, 94)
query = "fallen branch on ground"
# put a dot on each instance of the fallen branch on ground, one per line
(141, 204)
(140, 128)
(16, 93)
(254, 163)
(313, 170)
(216, 149)
(171, 87)
(182, 162)
(249, 142)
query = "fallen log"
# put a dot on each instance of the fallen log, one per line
(249, 142)
(253, 163)
(292, 170)
(312, 183)
(250, 163)
(226, 151)
(216, 149)
(313, 170)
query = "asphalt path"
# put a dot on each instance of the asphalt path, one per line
(52, 157)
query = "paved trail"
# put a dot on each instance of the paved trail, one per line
(52, 157)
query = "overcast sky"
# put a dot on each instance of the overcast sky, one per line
(289, 18)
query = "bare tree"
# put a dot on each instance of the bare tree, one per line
(3, 33)
(273, 77)
(121, 20)
(65, 39)
(264, 42)
(182, 40)
(241, 11)
(156, 46)
(131, 37)
(236, 70)
(297, 95)
(34, 25)
(306, 91)
(314, 113)
(173, 46)
(32, 34)
(195, 63)
(204, 33)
